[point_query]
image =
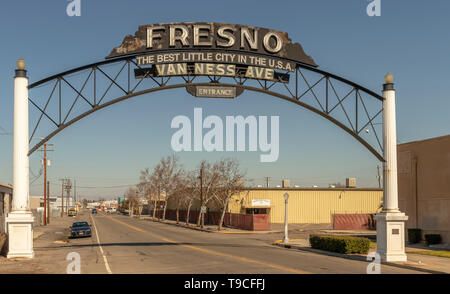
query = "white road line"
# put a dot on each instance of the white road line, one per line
(108, 269)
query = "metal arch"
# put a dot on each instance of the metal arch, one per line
(294, 95)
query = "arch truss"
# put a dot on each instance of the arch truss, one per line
(65, 98)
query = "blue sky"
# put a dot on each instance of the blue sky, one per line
(409, 39)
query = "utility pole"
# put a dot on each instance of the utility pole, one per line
(45, 163)
(68, 188)
(48, 202)
(378, 176)
(267, 181)
(202, 217)
(45, 184)
(62, 197)
(286, 231)
(75, 193)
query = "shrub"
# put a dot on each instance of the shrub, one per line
(340, 244)
(414, 235)
(432, 239)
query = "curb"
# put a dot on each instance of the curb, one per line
(356, 257)
(205, 230)
(181, 226)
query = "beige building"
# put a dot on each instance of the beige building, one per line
(424, 185)
(36, 202)
(6, 194)
(306, 205)
(309, 206)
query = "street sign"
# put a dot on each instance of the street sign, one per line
(203, 209)
(261, 202)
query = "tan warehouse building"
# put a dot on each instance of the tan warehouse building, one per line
(306, 205)
(424, 185)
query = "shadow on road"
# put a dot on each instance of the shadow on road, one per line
(138, 244)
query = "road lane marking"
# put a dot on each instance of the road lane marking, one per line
(249, 260)
(108, 269)
(213, 252)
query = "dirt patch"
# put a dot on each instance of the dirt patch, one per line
(3, 244)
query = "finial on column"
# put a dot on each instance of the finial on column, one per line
(389, 85)
(21, 63)
(388, 78)
(20, 71)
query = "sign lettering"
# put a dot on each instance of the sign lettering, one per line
(211, 36)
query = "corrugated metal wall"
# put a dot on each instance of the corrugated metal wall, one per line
(311, 206)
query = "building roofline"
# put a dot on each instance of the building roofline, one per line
(6, 185)
(312, 189)
(426, 140)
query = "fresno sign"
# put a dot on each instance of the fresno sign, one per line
(212, 36)
(212, 49)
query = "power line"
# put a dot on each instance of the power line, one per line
(99, 187)
(4, 131)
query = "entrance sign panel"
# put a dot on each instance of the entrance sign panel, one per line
(214, 90)
(219, 92)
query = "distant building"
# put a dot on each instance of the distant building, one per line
(55, 202)
(424, 185)
(6, 195)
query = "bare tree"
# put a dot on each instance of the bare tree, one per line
(230, 183)
(209, 179)
(155, 181)
(179, 192)
(192, 192)
(171, 174)
(131, 195)
(149, 186)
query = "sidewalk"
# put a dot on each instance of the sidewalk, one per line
(206, 228)
(46, 240)
(300, 230)
(425, 263)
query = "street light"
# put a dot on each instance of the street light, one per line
(286, 239)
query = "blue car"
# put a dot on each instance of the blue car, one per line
(94, 211)
(80, 229)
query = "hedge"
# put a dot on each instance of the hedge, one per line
(414, 235)
(340, 244)
(432, 239)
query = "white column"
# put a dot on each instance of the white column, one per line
(390, 222)
(20, 220)
(390, 149)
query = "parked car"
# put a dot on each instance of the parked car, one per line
(94, 211)
(72, 212)
(80, 229)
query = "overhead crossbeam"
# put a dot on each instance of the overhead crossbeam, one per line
(322, 89)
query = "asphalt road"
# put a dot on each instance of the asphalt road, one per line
(129, 245)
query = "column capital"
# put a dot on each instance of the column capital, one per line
(388, 87)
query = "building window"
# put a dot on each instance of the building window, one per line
(257, 211)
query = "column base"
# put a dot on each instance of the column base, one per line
(391, 236)
(20, 234)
